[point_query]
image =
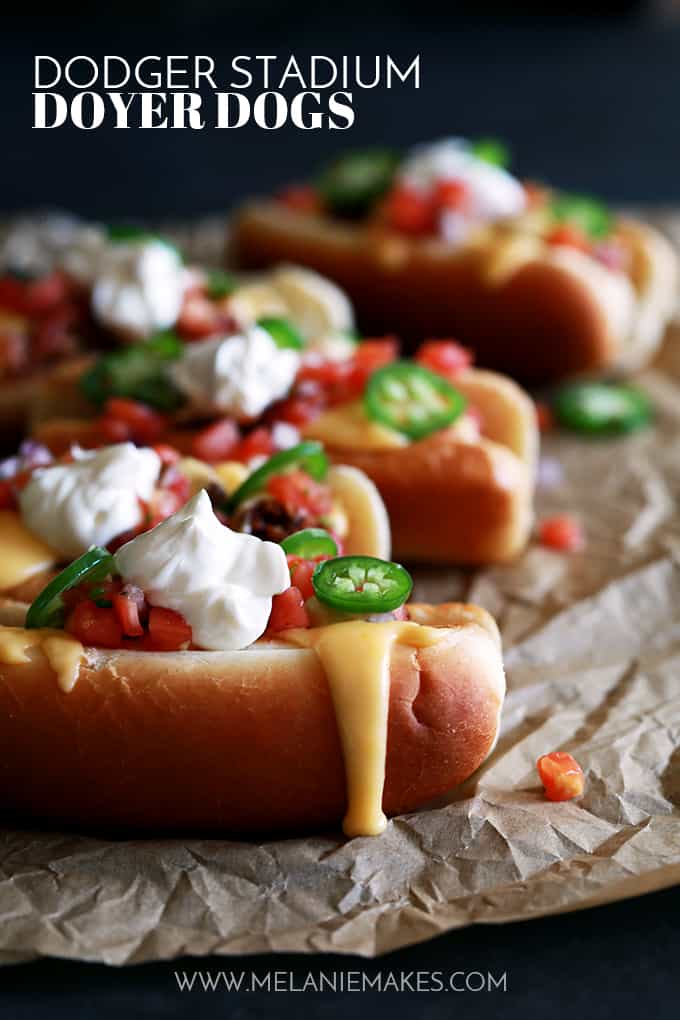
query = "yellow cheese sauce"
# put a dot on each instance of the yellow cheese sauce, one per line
(348, 427)
(63, 653)
(356, 659)
(22, 554)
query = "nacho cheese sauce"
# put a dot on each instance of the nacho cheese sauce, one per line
(355, 657)
(63, 653)
(22, 554)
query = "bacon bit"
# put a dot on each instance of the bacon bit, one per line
(545, 419)
(561, 532)
(288, 610)
(301, 198)
(561, 775)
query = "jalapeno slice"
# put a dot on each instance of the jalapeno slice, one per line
(491, 150)
(587, 213)
(310, 543)
(602, 409)
(308, 456)
(220, 284)
(411, 399)
(355, 181)
(137, 372)
(282, 332)
(47, 610)
(361, 584)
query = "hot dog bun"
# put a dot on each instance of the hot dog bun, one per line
(457, 500)
(237, 741)
(536, 311)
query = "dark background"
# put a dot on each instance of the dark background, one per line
(588, 103)
(587, 95)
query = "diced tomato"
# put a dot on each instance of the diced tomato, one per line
(22, 478)
(168, 454)
(13, 294)
(545, 419)
(217, 441)
(288, 610)
(301, 575)
(445, 357)
(301, 198)
(535, 194)
(127, 614)
(295, 410)
(95, 625)
(409, 211)
(570, 235)
(163, 504)
(168, 630)
(199, 317)
(145, 425)
(561, 775)
(114, 430)
(561, 532)
(369, 357)
(258, 443)
(177, 483)
(450, 194)
(7, 494)
(45, 293)
(297, 491)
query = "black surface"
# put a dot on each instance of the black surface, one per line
(613, 961)
(587, 105)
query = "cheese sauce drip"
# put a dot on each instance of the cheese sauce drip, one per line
(63, 653)
(22, 553)
(356, 659)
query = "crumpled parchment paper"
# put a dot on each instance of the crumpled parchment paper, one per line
(592, 648)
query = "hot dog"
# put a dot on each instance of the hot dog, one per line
(245, 725)
(541, 285)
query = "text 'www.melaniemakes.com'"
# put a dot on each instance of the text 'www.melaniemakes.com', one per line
(191, 92)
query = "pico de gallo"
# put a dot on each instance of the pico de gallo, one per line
(139, 402)
(42, 319)
(450, 188)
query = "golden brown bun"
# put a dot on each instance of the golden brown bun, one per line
(524, 308)
(451, 500)
(237, 741)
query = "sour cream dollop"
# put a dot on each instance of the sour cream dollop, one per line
(239, 375)
(222, 582)
(495, 194)
(139, 288)
(92, 500)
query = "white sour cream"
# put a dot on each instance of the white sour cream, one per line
(495, 194)
(139, 288)
(222, 582)
(92, 500)
(239, 375)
